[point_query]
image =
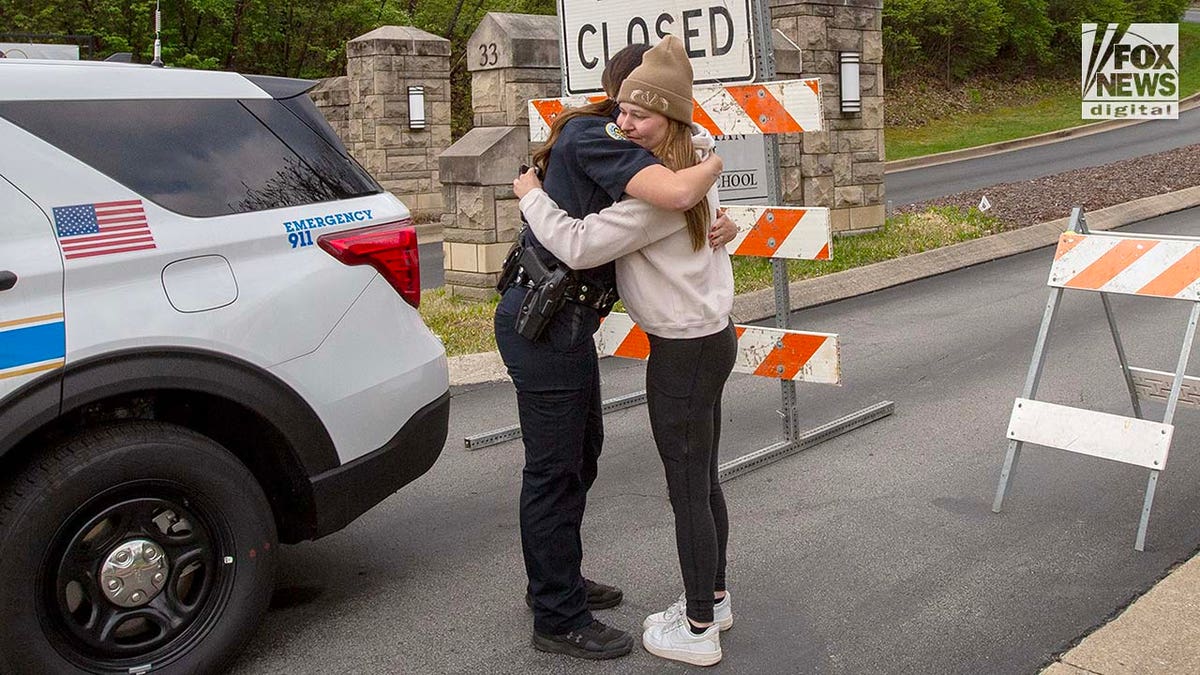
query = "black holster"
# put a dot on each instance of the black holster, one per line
(544, 298)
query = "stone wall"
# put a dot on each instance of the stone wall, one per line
(841, 167)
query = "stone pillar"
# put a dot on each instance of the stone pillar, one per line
(381, 66)
(512, 58)
(841, 167)
(332, 98)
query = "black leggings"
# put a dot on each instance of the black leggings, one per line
(684, 381)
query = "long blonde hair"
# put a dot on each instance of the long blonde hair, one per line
(676, 152)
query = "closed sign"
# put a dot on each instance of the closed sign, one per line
(716, 34)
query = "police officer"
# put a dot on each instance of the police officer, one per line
(587, 165)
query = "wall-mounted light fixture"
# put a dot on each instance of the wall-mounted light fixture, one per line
(416, 107)
(849, 81)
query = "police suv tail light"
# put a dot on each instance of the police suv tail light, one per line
(390, 248)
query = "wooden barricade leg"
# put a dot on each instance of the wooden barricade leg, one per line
(1140, 543)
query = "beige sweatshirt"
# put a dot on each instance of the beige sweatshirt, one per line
(670, 290)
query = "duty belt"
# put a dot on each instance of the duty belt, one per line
(578, 291)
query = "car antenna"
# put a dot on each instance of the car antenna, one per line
(157, 42)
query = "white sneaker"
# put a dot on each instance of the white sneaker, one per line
(677, 642)
(722, 613)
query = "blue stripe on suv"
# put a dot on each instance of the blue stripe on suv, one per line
(32, 344)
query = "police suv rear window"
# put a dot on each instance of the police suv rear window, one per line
(199, 157)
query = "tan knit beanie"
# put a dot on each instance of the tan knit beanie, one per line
(663, 83)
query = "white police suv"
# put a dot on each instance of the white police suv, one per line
(209, 343)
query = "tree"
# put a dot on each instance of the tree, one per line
(1027, 35)
(954, 36)
(292, 38)
(1067, 17)
(901, 46)
(1158, 11)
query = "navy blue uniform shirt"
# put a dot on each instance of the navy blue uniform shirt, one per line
(591, 164)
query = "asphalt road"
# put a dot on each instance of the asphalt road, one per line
(873, 552)
(914, 185)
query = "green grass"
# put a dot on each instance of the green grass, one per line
(1189, 58)
(1051, 112)
(465, 326)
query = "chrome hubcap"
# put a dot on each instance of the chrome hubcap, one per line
(134, 573)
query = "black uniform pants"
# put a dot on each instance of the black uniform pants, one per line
(557, 379)
(684, 382)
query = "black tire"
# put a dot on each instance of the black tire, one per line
(72, 514)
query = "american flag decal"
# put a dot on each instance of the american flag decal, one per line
(88, 230)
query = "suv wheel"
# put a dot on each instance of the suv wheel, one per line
(135, 547)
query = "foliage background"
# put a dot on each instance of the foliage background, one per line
(956, 39)
(290, 38)
(943, 41)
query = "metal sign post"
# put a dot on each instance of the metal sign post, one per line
(795, 441)
(783, 301)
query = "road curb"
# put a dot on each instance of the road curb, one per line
(478, 368)
(925, 161)
(757, 305)
(1156, 633)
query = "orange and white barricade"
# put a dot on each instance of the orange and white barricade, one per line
(1138, 265)
(790, 356)
(794, 233)
(778, 354)
(783, 107)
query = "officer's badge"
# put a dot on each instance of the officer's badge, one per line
(614, 132)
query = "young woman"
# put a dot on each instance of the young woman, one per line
(680, 291)
(588, 165)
